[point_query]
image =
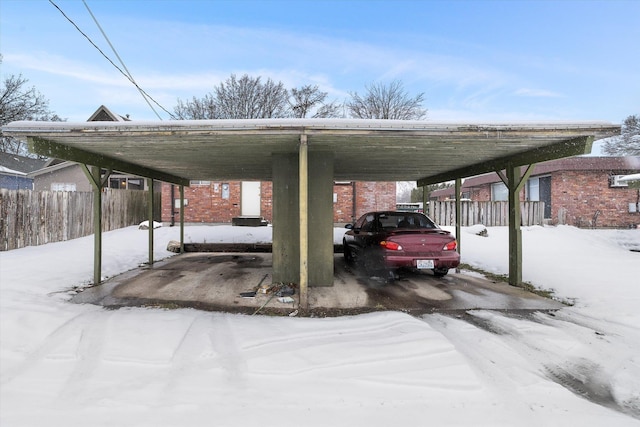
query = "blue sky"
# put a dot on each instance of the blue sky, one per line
(488, 61)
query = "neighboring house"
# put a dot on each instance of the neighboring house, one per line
(60, 175)
(14, 171)
(220, 202)
(582, 191)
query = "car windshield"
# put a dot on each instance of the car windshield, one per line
(408, 220)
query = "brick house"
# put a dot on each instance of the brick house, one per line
(219, 202)
(581, 191)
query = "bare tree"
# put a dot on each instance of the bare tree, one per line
(386, 102)
(197, 109)
(18, 102)
(308, 99)
(249, 98)
(243, 98)
(628, 143)
(274, 100)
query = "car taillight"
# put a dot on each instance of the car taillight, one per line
(451, 246)
(392, 246)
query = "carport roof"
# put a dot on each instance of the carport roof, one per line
(367, 150)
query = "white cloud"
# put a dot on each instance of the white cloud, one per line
(537, 93)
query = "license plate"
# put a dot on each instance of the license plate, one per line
(424, 263)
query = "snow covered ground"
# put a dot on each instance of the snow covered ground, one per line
(64, 364)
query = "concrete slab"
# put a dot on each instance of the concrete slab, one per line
(215, 281)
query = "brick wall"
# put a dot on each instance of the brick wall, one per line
(266, 200)
(375, 196)
(584, 199)
(206, 205)
(481, 194)
(343, 203)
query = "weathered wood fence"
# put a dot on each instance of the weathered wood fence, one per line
(30, 218)
(490, 214)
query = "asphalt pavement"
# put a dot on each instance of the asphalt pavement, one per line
(241, 283)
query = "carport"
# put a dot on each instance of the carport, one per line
(303, 157)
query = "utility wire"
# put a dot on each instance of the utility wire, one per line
(120, 59)
(110, 61)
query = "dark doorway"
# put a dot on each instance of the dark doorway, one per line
(545, 195)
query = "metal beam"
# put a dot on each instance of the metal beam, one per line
(572, 147)
(53, 149)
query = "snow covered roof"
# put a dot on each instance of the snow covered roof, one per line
(7, 171)
(19, 165)
(369, 150)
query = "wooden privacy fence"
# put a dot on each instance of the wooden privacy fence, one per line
(30, 218)
(490, 214)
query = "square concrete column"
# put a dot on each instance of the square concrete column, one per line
(286, 218)
(320, 218)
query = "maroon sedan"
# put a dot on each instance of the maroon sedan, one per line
(390, 240)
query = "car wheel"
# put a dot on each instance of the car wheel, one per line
(439, 272)
(373, 263)
(348, 254)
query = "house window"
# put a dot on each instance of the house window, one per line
(533, 189)
(499, 192)
(199, 183)
(135, 184)
(63, 186)
(120, 183)
(124, 183)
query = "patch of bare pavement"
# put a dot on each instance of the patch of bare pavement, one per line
(241, 283)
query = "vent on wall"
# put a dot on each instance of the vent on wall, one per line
(614, 181)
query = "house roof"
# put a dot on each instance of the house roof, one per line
(367, 150)
(56, 165)
(103, 114)
(615, 165)
(12, 163)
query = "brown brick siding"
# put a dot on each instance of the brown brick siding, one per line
(585, 199)
(266, 200)
(374, 196)
(205, 204)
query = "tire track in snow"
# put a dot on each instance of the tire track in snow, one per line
(70, 329)
(201, 349)
(88, 356)
(576, 357)
(228, 353)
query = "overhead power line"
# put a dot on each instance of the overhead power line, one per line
(121, 61)
(127, 75)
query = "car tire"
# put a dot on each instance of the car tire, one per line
(440, 272)
(348, 254)
(373, 264)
